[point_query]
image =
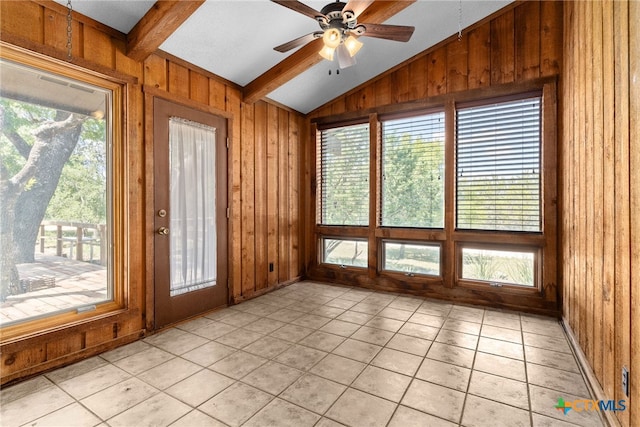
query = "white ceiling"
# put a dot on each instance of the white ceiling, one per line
(234, 39)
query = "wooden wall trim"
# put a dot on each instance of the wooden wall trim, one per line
(187, 102)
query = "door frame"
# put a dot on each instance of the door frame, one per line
(150, 94)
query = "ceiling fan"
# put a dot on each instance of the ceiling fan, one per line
(341, 29)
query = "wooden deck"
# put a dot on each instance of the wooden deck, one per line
(77, 284)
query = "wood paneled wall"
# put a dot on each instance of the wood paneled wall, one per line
(600, 163)
(264, 177)
(517, 44)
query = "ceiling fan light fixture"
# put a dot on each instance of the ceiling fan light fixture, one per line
(327, 53)
(345, 59)
(353, 45)
(332, 37)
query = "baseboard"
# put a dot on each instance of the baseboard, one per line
(607, 417)
(253, 294)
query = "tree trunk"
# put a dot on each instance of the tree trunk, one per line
(32, 203)
(9, 277)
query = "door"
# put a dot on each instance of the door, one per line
(190, 211)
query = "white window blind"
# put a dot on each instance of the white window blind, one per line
(498, 166)
(343, 175)
(413, 172)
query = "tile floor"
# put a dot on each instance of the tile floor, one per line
(319, 355)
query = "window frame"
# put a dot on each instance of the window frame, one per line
(116, 204)
(544, 294)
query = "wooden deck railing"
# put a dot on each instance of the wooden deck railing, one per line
(78, 240)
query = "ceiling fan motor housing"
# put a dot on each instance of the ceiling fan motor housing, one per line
(335, 17)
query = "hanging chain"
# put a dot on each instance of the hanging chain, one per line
(69, 29)
(460, 20)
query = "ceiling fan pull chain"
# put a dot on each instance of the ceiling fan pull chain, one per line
(460, 21)
(69, 29)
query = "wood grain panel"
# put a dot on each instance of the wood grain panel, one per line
(23, 19)
(98, 47)
(261, 197)
(479, 61)
(283, 237)
(436, 74)
(502, 48)
(178, 80)
(457, 67)
(199, 88)
(527, 40)
(248, 201)
(272, 192)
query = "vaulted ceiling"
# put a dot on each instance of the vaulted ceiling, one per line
(234, 39)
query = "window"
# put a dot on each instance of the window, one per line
(499, 266)
(498, 166)
(411, 258)
(57, 223)
(345, 252)
(344, 176)
(413, 172)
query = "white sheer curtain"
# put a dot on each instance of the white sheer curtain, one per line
(193, 202)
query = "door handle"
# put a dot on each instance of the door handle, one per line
(163, 231)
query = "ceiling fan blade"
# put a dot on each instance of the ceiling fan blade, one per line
(298, 42)
(357, 6)
(299, 7)
(399, 33)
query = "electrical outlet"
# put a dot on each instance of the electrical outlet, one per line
(625, 381)
(270, 267)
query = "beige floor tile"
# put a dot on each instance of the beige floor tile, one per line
(264, 326)
(555, 343)
(92, 382)
(451, 354)
(144, 360)
(501, 348)
(194, 324)
(556, 379)
(356, 295)
(501, 366)
(544, 421)
(370, 309)
(435, 308)
(541, 325)
(355, 317)
(427, 320)
(357, 350)
(396, 313)
(313, 392)
(268, 347)
(469, 314)
(502, 319)
(281, 413)
(300, 357)
(340, 327)
(208, 354)
(479, 412)
(239, 338)
(236, 404)
(462, 326)
(125, 351)
(444, 374)
(196, 418)
(322, 341)
(326, 422)
(25, 388)
(176, 341)
(219, 314)
(382, 383)
(76, 369)
(311, 321)
(260, 309)
(292, 333)
(341, 303)
(214, 330)
(338, 368)
(408, 344)
(239, 319)
(391, 325)
(159, 410)
(544, 401)
(553, 359)
(433, 399)
(397, 361)
(34, 405)
(407, 417)
(118, 398)
(199, 387)
(406, 303)
(501, 389)
(272, 377)
(238, 364)
(372, 335)
(169, 373)
(500, 333)
(419, 331)
(459, 339)
(355, 408)
(328, 311)
(286, 315)
(69, 416)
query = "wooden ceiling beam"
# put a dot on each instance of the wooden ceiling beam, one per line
(164, 17)
(307, 56)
